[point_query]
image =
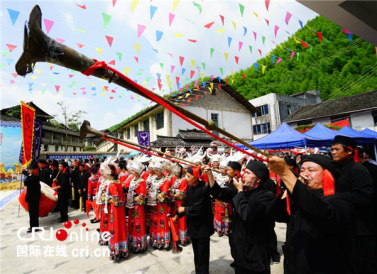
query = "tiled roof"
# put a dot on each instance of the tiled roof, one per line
(229, 90)
(185, 138)
(164, 141)
(362, 101)
(194, 134)
(39, 112)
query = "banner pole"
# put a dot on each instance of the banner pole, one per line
(19, 205)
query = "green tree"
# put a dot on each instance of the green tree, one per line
(71, 120)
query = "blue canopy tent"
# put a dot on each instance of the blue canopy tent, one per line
(286, 137)
(358, 136)
(372, 133)
(321, 132)
(369, 132)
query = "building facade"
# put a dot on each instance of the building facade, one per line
(53, 139)
(359, 109)
(225, 106)
(275, 108)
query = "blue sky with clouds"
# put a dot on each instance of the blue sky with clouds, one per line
(86, 26)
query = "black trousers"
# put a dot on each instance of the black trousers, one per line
(63, 206)
(84, 198)
(365, 254)
(33, 213)
(274, 245)
(76, 201)
(201, 254)
(241, 270)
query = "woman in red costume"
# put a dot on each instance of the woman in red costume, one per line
(102, 189)
(93, 184)
(114, 207)
(222, 179)
(178, 192)
(135, 201)
(157, 194)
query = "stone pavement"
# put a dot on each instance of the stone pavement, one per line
(43, 256)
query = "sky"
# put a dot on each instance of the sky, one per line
(149, 40)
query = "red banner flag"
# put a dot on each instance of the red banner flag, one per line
(27, 122)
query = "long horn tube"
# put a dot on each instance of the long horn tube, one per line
(38, 47)
(86, 129)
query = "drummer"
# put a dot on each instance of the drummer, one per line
(33, 194)
(62, 187)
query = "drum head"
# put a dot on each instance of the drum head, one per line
(47, 191)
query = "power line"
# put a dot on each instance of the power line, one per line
(342, 91)
(356, 44)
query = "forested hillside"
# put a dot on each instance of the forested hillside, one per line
(336, 68)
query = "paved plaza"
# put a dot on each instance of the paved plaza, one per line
(80, 253)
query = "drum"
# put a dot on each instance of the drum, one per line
(47, 202)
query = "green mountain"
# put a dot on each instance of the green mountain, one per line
(337, 67)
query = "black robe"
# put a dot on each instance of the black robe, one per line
(198, 211)
(252, 226)
(33, 191)
(83, 181)
(373, 173)
(355, 178)
(63, 194)
(45, 175)
(63, 181)
(319, 231)
(76, 185)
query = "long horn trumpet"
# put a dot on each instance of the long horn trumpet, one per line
(87, 129)
(38, 47)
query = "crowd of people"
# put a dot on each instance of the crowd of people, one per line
(328, 202)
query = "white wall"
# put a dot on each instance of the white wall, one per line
(360, 121)
(104, 146)
(236, 123)
(273, 116)
(178, 123)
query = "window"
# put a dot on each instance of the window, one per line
(263, 111)
(146, 125)
(45, 147)
(121, 135)
(74, 148)
(337, 119)
(262, 129)
(215, 119)
(307, 122)
(56, 148)
(289, 109)
(160, 120)
(128, 133)
(136, 129)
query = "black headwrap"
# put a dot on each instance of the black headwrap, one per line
(196, 172)
(235, 165)
(344, 140)
(259, 169)
(33, 165)
(324, 161)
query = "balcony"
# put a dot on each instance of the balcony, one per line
(47, 141)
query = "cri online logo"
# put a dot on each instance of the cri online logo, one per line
(62, 234)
